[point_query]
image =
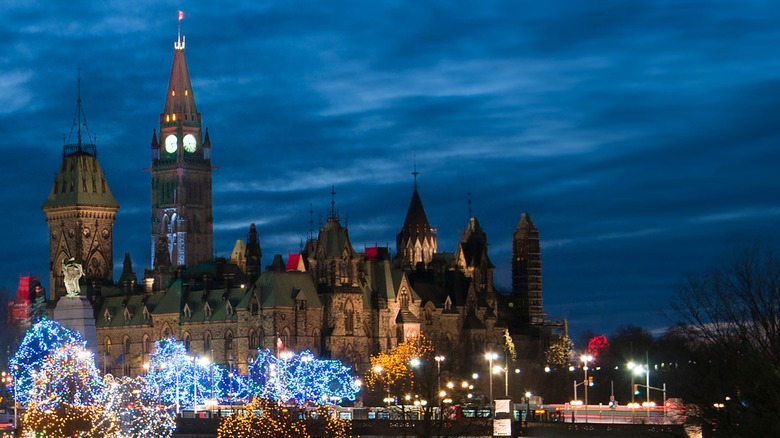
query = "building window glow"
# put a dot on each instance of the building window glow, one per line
(173, 92)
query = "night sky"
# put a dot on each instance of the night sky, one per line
(641, 136)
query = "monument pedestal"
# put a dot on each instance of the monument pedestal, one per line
(76, 314)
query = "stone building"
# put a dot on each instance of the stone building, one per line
(330, 299)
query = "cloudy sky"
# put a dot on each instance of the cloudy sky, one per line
(640, 135)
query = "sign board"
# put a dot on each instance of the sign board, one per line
(502, 427)
(503, 406)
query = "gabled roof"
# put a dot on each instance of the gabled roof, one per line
(473, 246)
(385, 279)
(333, 240)
(281, 289)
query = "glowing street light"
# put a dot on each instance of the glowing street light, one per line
(439, 359)
(585, 358)
(490, 356)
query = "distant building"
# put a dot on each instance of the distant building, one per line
(329, 298)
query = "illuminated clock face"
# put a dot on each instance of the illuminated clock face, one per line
(171, 143)
(189, 143)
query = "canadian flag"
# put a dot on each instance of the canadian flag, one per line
(181, 15)
(279, 344)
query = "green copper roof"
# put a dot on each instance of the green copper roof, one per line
(80, 181)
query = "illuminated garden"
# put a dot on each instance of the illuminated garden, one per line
(61, 393)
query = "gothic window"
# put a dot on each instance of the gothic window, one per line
(286, 336)
(404, 298)
(107, 316)
(187, 341)
(146, 346)
(126, 345)
(343, 272)
(107, 347)
(207, 343)
(252, 340)
(228, 346)
(166, 332)
(349, 318)
(207, 310)
(428, 316)
(187, 311)
(448, 303)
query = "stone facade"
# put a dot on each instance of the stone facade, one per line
(330, 299)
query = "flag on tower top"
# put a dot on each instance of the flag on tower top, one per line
(181, 15)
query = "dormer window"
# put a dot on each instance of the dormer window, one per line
(229, 308)
(254, 306)
(147, 315)
(127, 314)
(107, 316)
(207, 310)
(448, 303)
(187, 311)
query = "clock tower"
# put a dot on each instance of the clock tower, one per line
(181, 175)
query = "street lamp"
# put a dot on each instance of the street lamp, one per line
(439, 359)
(527, 406)
(490, 356)
(585, 358)
(497, 369)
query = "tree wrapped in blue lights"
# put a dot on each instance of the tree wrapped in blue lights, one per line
(301, 378)
(44, 337)
(66, 398)
(140, 412)
(179, 379)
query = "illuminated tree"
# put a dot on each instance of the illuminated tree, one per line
(300, 378)
(176, 376)
(44, 337)
(138, 408)
(262, 418)
(597, 345)
(392, 371)
(66, 396)
(559, 352)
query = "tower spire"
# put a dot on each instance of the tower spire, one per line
(78, 103)
(415, 172)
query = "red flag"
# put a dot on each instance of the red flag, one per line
(279, 344)
(181, 15)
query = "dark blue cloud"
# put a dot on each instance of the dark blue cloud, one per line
(641, 136)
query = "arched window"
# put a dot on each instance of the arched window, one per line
(349, 318)
(252, 340)
(207, 343)
(228, 346)
(187, 341)
(126, 345)
(146, 347)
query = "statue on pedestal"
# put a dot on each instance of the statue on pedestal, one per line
(72, 272)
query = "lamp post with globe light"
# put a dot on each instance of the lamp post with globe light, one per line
(490, 356)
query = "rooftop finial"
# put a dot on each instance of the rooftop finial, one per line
(332, 202)
(79, 120)
(179, 44)
(311, 222)
(415, 172)
(78, 105)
